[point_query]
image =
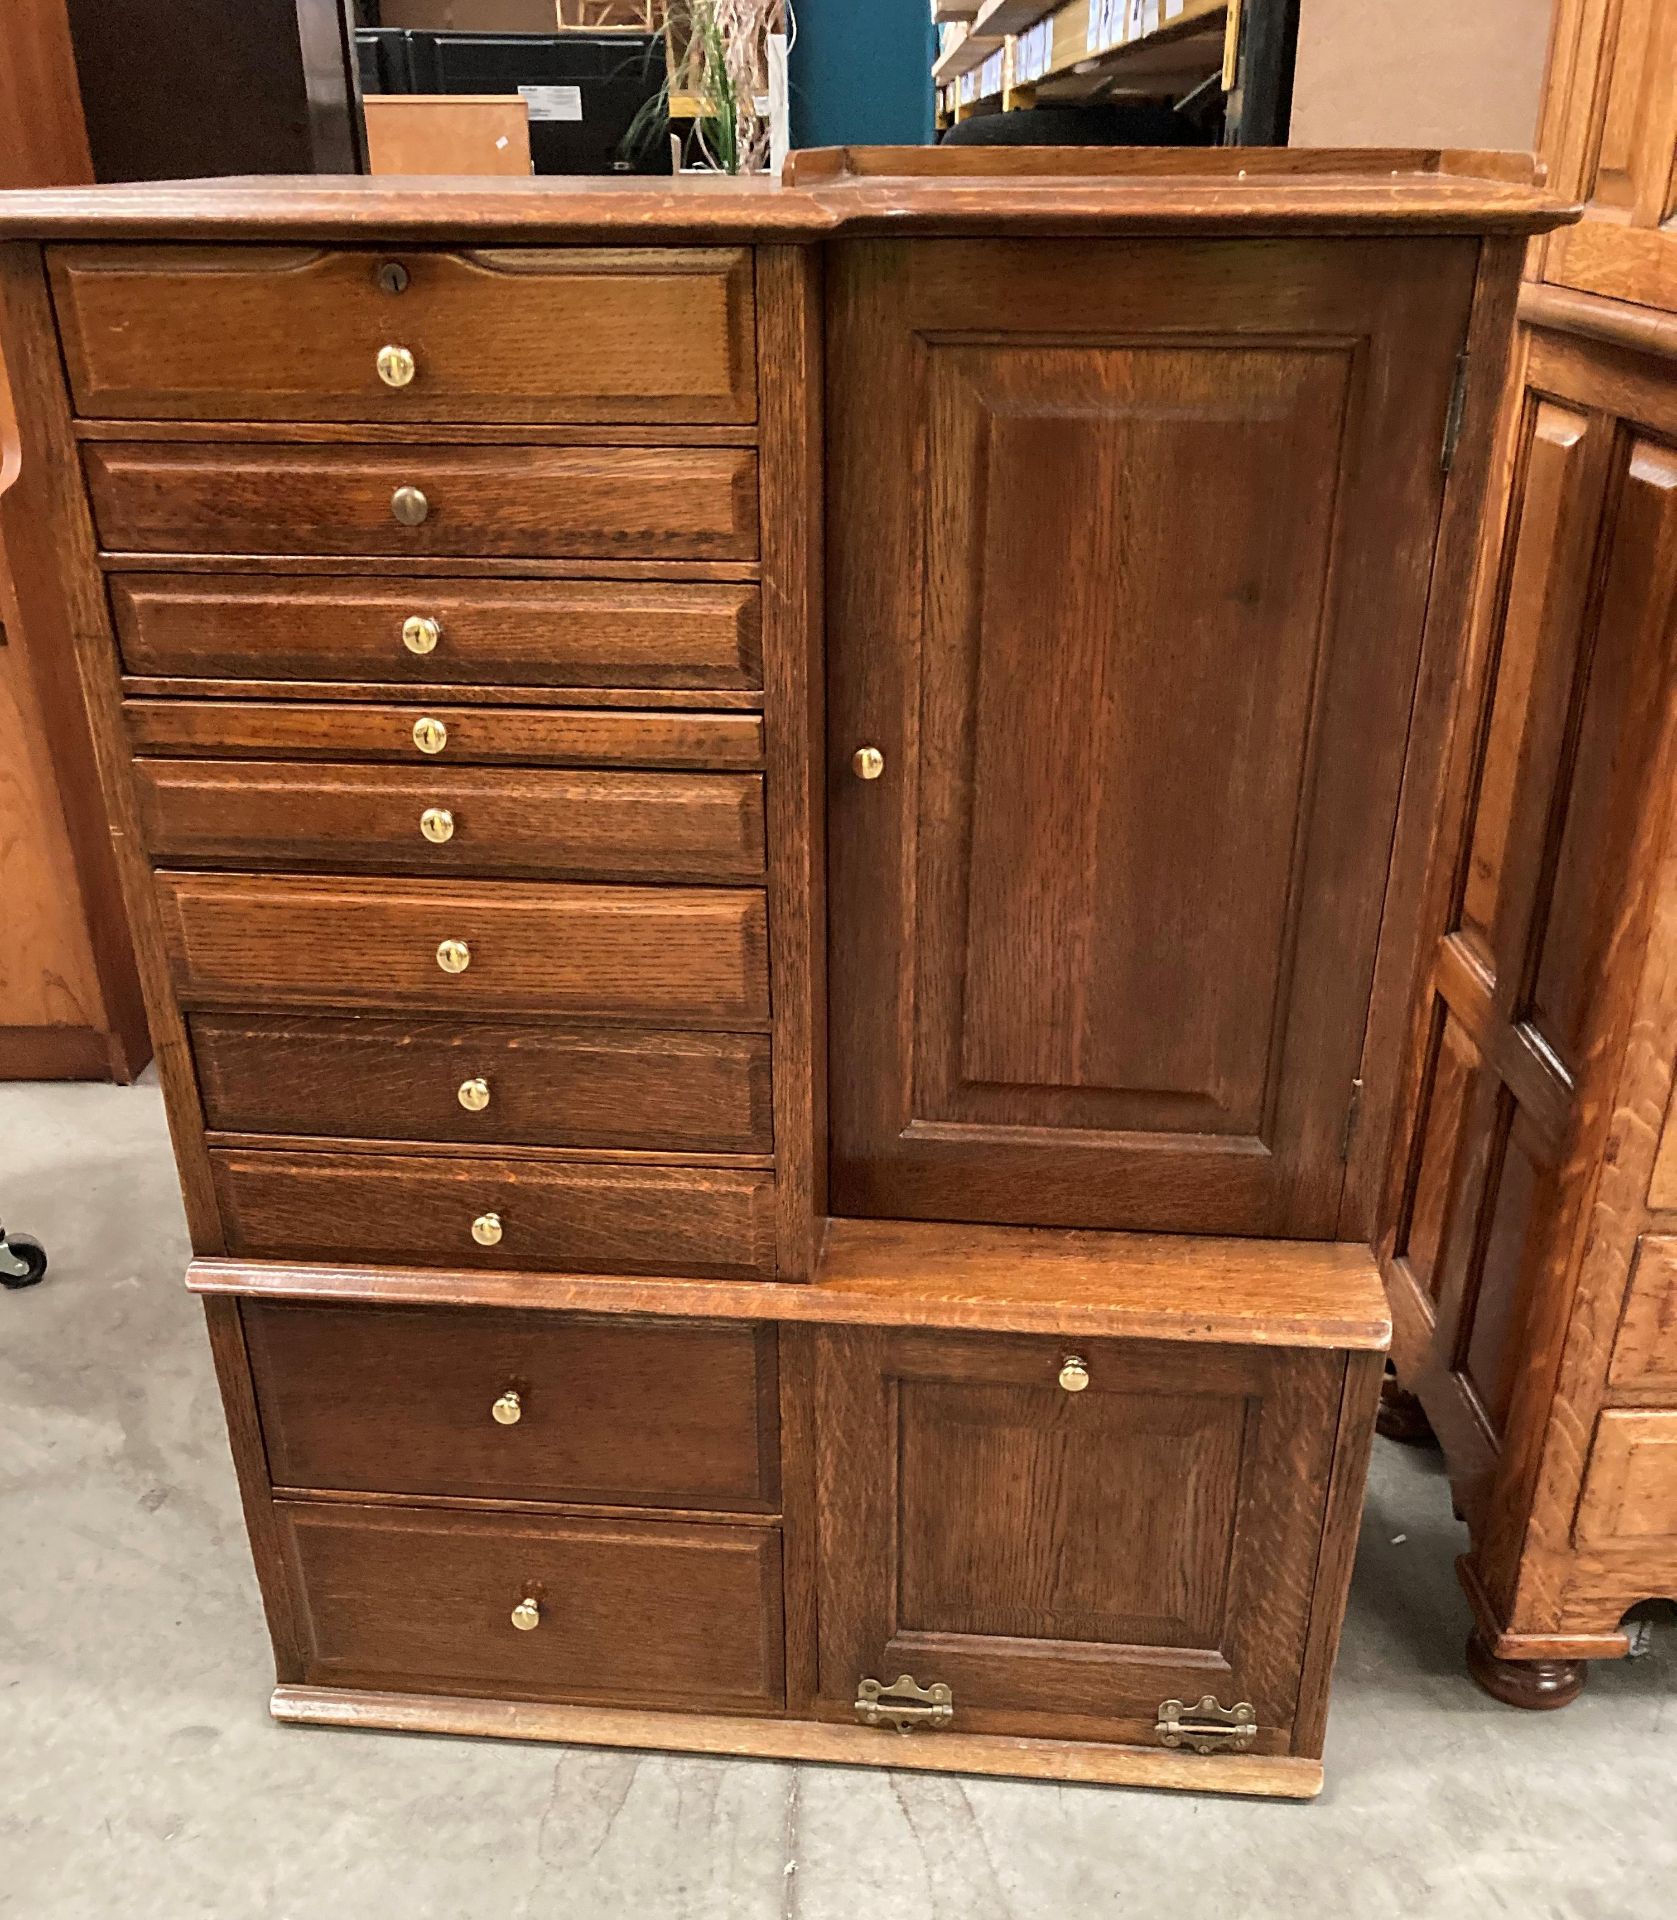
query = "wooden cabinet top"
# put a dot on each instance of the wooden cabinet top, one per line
(844, 191)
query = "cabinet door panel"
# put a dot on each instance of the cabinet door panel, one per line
(1066, 1562)
(1129, 581)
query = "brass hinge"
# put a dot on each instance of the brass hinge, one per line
(904, 1704)
(1352, 1107)
(1207, 1728)
(1453, 414)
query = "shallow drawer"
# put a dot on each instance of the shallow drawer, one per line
(633, 1612)
(697, 503)
(481, 1404)
(516, 1215)
(583, 823)
(454, 736)
(663, 955)
(1645, 1351)
(515, 334)
(536, 633)
(373, 1078)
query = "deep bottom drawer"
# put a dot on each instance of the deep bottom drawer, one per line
(625, 1612)
(524, 1215)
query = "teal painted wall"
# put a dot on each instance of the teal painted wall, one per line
(861, 73)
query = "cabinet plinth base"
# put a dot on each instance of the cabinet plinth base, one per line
(1539, 1686)
(1264, 1776)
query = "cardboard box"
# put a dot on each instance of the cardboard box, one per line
(472, 16)
(455, 133)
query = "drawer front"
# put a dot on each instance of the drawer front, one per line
(1645, 1351)
(586, 824)
(1630, 1485)
(517, 1406)
(685, 1222)
(514, 335)
(469, 736)
(629, 1612)
(663, 955)
(695, 503)
(373, 1078)
(516, 633)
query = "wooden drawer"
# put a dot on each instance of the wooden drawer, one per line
(583, 823)
(373, 1078)
(284, 333)
(411, 1400)
(1630, 1484)
(678, 956)
(471, 736)
(1645, 1351)
(532, 633)
(694, 503)
(412, 1210)
(632, 1612)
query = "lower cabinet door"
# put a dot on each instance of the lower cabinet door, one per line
(600, 1612)
(1069, 1534)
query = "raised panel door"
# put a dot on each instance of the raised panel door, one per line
(1131, 546)
(1068, 1561)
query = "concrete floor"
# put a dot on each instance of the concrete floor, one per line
(141, 1779)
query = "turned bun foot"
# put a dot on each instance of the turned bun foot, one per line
(1536, 1685)
(1401, 1416)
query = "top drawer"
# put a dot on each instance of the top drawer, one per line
(522, 335)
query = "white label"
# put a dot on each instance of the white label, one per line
(553, 103)
(1173, 8)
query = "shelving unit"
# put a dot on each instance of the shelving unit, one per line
(1099, 49)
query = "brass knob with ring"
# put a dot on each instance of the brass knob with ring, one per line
(527, 1615)
(487, 1229)
(409, 506)
(420, 633)
(437, 825)
(868, 762)
(508, 1410)
(453, 956)
(396, 366)
(473, 1095)
(430, 736)
(1074, 1373)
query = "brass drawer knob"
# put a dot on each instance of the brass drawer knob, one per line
(409, 506)
(420, 634)
(1074, 1373)
(487, 1230)
(454, 956)
(473, 1095)
(509, 1409)
(430, 736)
(869, 763)
(437, 825)
(396, 366)
(527, 1615)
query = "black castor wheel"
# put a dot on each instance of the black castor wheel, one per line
(23, 1261)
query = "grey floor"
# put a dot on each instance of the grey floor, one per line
(140, 1775)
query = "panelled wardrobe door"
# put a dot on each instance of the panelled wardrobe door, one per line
(1069, 1534)
(1130, 545)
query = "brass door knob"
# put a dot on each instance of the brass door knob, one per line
(473, 1095)
(1074, 1373)
(527, 1615)
(454, 956)
(430, 736)
(868, 762)
(487, 1229)
(437, 825)
(421, 634)
(409, 506)
(396, 366)
(509, 1409)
